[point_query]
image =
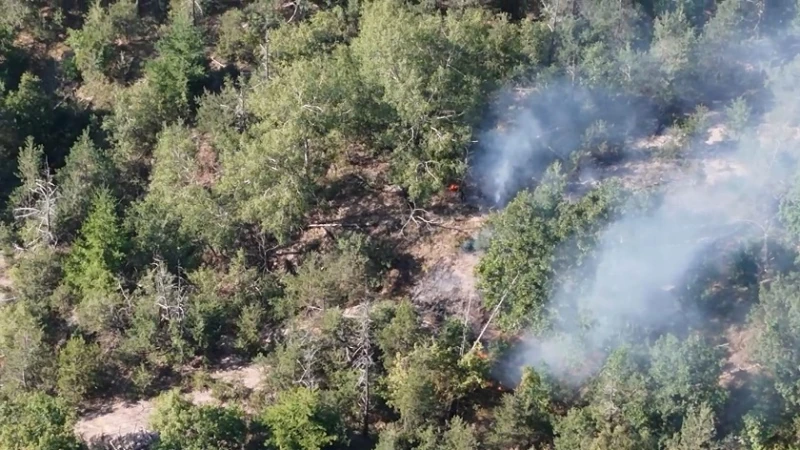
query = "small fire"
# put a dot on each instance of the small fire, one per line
(453, 187)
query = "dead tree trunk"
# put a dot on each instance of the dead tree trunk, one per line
(363, 363)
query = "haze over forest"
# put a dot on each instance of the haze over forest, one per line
(397, 225)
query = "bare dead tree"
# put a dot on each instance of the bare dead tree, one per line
(265, 56)
(494, 312)
(170, 294)
(467, 311)
(307, 359)
(241, 112)
(299, 6)
(417, 216)
(40, 211)
(363, 364)
(195, 10)
(307, 362)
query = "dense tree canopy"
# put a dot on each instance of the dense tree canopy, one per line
(395, 224)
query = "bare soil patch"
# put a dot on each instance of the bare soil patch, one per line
(130, 420)
(118, 419)
(739, 364)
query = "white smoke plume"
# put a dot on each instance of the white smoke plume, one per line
(641, 257)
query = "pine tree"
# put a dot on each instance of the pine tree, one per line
(94, 261)
(86, 170)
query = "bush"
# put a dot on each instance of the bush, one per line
(299, 421)
(326, 280)
(37, 421)
(183, 426)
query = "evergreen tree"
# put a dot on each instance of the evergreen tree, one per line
(777, 320)
(686, 375)
(92, 265)
(524, 416)
(87, 169)
(459, 436)
(178, 66)
(697, 432)
(25, 360)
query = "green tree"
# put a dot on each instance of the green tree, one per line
(30, 108)
(184, 426)
(411, 389)
(423, 384)
(434, 73)
(521, 266)
(686, 374)
(313, 108)
(86, 170)
(133, 126)
(400, 335)
(318, 35)
(222, 115)
(31, 168)
(79, 365)
(727, 32)
(94, 42)
(93, 262)
(236, 40)
(179, 209)
(672, 51)
(524, 416)
(36, 421)
(776, 318)
(25, 359)
(97, 254)
(618, 415)
(517, 267)
(35, 202)
(459, 436)
(157, 332)
(232, 304)
(737, 116)
(697, 432)
(35, 276)
(178, 66)
(156, 232)
(298, 421)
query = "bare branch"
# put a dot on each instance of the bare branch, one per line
(495, 311)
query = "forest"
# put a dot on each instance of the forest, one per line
(400, 224)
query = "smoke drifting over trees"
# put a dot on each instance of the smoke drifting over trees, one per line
(451, 224)
(633, 279)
